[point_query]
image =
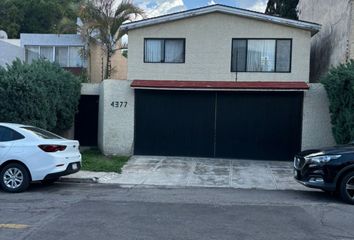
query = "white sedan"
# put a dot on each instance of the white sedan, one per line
(29, 154)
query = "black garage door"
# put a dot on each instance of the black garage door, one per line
(244, 125)
(86, 120)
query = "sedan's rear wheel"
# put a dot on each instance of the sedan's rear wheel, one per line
(14, 178)
(347, 188)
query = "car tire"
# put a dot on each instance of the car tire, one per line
(346, 188)
(49, 181)
(14, 178)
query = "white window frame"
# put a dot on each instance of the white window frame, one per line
(54, 50)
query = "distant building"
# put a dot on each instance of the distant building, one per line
(66, 50)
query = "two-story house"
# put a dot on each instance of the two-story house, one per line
(216, 81)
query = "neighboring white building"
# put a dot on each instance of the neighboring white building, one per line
(217, 82)
(10, 49)
(64, 49)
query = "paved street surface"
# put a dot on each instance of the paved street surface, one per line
(96, 211)
(201, 172)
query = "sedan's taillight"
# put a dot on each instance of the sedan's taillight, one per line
(52, 148)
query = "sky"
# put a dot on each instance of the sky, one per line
(155, 8)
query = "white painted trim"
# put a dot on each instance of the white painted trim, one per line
(313, 27)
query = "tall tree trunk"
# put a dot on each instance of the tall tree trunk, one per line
(108, 63)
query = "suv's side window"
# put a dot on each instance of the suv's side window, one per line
(7, 134)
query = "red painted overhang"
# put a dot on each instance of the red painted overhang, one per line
(168, 84)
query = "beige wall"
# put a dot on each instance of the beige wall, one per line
(98, 60)
(330, 46)
(316, 120)
(116, 124)
(208, 49)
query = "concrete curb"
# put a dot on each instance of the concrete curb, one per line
(79, 180)
(95, 180)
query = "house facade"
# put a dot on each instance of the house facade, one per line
(216, 82)
(334, 44)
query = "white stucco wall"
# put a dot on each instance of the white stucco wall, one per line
(116, 123)
(208, 49)
(316, 125)
(9, 52)
(90, 89)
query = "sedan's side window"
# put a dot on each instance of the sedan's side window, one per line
(7, 134)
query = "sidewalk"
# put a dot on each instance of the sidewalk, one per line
(197, 172)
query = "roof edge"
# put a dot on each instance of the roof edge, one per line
(241, 85)
(309, 26)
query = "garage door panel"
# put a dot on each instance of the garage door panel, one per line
(174, 123)
(262, 125)
(243, 125)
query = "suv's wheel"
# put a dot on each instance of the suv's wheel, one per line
(346, 188)
(14, 178)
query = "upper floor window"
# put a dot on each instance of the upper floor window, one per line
(164, 50)
(261, 55)
(65, 56)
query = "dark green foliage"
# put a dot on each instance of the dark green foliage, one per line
(339, 84)
(125, 53)
(35, 16)
(41, 94)
(282, 8)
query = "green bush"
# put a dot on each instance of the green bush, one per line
(339, 84)
(40, 94)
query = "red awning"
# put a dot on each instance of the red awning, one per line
(227, 85)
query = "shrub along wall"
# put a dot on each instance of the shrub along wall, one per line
(339, 84)
(41, 94)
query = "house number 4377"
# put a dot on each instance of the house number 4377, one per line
(119, 104)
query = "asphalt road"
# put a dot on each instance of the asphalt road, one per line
(102, 212)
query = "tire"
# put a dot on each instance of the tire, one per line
(49, 181)
(346, 188)
(21, 177)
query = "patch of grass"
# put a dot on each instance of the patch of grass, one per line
(94, 160)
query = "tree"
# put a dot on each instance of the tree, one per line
(282, 8)
(40, 94)
(102, 22)
(339, 84)
(35, 16)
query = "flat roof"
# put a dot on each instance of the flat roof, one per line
(309, 26)
(40, 39)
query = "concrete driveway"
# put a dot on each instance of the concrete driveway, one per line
(204, 172)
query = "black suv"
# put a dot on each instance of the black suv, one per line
(330, 169)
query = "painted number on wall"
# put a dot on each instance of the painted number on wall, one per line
(119, 104)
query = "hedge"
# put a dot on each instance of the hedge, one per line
(339, 84)
(41, 94)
